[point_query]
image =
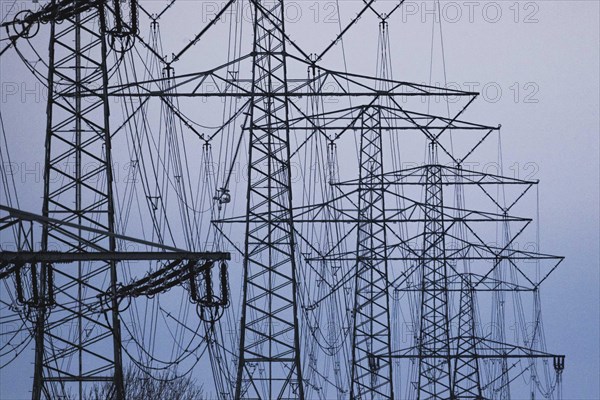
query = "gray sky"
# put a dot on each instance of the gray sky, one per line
(537, 65)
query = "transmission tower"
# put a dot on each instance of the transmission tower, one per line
(74, 276)
(371, 374)
(434, 336)
(269, 357)
(394, 242)
(77, 136)
(466, 378)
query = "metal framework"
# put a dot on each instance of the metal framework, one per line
(466, 380)
(77, 188)
(78, 213)
(371, 374)
(434, 335)
(269, 356)
(80, 283)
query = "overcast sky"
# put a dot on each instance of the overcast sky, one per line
(537, 65)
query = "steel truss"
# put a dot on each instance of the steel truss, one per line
(448, 361)
(74, 277)
(434, 331)
(77, 189)
(269, 356)
(269, 360)
(181, 267)
(371, 374)
(466, 380)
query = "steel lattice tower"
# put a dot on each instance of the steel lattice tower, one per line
(269, 359)
(371, 368)
(434, 336)
(79, 211)
(466, 381)
(77, 189)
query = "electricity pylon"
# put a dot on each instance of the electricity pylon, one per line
(269, 356)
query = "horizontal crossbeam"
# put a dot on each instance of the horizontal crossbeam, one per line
(30, 257)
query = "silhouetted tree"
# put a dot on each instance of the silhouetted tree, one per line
(140, 386)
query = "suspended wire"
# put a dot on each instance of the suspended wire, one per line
(162, 159)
